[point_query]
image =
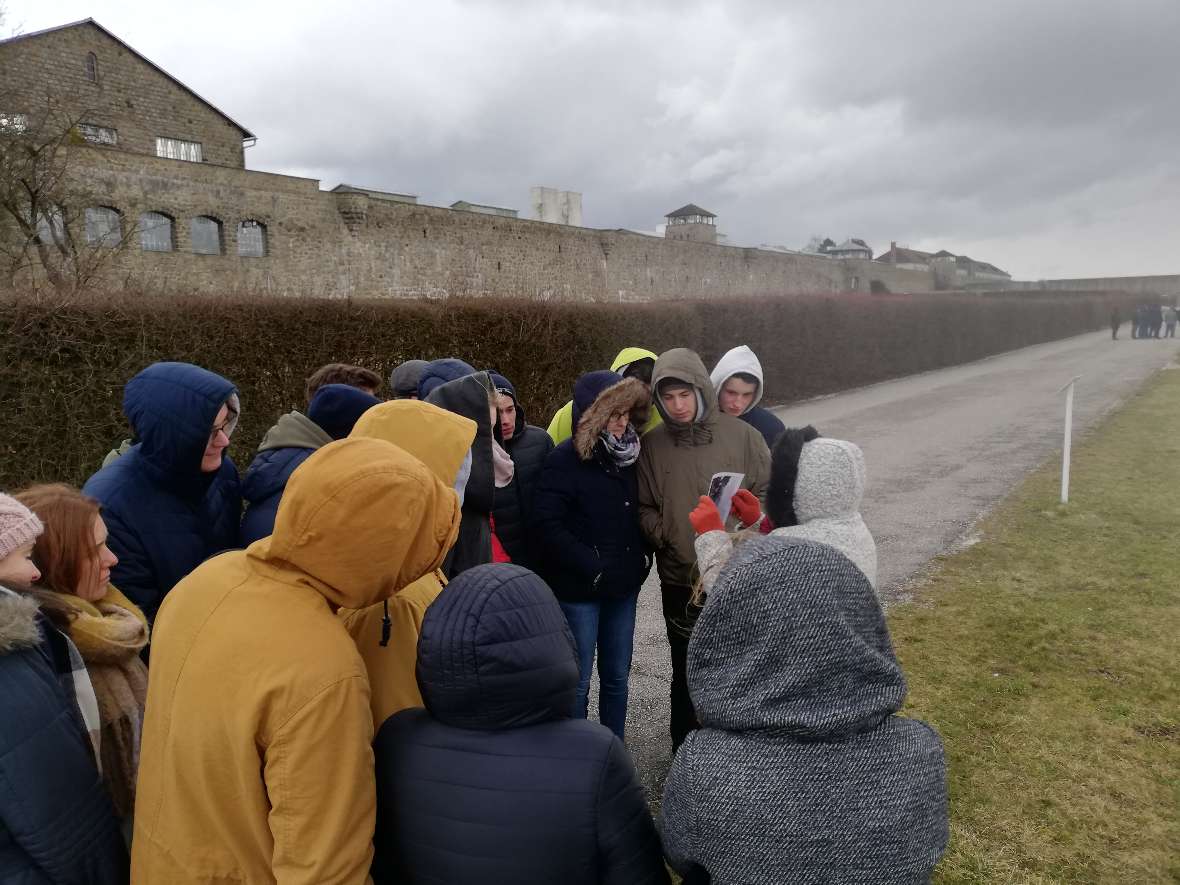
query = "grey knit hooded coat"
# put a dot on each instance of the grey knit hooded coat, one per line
(801, 772)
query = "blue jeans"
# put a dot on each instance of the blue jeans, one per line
(608, 624)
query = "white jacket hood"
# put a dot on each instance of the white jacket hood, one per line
(740, 359)
(828, 493)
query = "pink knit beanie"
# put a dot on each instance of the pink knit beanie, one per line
(18, 525)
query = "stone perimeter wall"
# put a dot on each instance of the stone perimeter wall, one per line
(326, 244)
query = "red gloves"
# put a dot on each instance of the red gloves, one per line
(706, 517)
(746, 506)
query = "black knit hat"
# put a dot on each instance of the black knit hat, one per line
(784, 470)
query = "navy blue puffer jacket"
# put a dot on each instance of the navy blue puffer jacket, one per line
(493, 781)
(165, 516)
(57, 824)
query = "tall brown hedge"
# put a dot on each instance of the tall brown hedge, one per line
(63, 363)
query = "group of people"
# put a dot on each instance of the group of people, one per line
(1149, 321)
(382, 668)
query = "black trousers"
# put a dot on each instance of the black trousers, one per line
(679, 618)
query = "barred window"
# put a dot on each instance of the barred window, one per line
(155, 232)
(178, 149)
(252, 239)
(206, 235)
(13, 124)
(98, 134)
(91, 67)
(104, 226)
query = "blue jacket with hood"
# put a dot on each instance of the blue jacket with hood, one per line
(493, 781)
(165, 516)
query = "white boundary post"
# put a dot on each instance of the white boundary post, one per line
(1065, 449)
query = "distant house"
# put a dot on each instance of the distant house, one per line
(960, 271)
(907, 259)
(464, 206)
(388, 197)
(850, 248)
(691, 223)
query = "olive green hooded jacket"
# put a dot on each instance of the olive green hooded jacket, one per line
(678, 461)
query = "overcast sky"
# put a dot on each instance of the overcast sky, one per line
(1040, 135)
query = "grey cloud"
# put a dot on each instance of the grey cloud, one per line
(1040, 132)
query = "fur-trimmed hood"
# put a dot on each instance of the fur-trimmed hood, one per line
(18, 622)
(629, 395)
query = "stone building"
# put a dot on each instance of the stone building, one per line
(189, 217)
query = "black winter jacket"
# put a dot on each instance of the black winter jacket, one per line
(514, 503)
(586, 523)
(468, 396)
(57, 824)
(494, 782)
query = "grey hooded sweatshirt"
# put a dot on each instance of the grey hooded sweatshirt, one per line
(828, 492)
(801, 772)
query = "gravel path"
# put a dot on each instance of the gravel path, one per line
(942, 448)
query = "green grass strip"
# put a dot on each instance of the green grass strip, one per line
(1048, 657)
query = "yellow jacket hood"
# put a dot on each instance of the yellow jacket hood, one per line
(436, 437)
(359, 520)
(629, 355)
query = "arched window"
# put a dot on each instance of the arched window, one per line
(104, 226)
(206, 235)
(91, 67)
(252, 239)
(155, 232)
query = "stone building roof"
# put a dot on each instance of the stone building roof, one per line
(374, 193)
(690, 209)
(246, 133)
(905, 256)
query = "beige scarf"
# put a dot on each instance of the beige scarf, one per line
(110, 635)
(502, 465)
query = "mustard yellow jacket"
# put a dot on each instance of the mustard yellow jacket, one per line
(256, 763)
(441, 440)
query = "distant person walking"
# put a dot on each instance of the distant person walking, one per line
(1156, 312)
(1170, 316)
(1115, 321)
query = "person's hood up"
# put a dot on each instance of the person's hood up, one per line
(586, 391)
(792, 642)
(172, 407)
(740, 359)
(504, 386)
(436, 437)
(625, 395)
(684, 365)
(831, 480)
(629, 355)
(294, 431)
(495, 652)
(439, 372)
(403, 380)
(359, 520)
(336, 408)
(468, 396)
